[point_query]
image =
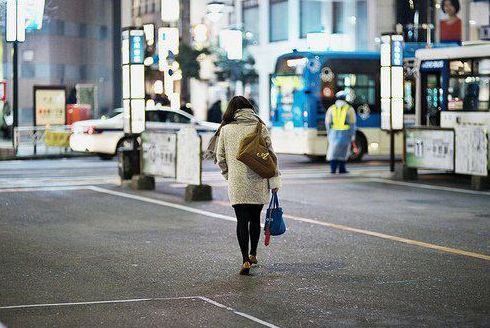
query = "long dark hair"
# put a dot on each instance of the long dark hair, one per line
(236, 103)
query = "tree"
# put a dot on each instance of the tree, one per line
(236, 70)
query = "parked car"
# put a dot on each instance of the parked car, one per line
(104, 136)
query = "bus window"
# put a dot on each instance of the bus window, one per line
(469, 85)
(291, 65)
(359, 87)
(469, 93)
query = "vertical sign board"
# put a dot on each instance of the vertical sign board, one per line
(133, 69)
(471, 150)
(429, 148)
(15, 27)
(392, 82)
(189, 156)
(49, 105)
(159, 152)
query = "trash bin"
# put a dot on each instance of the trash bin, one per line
(129, 158)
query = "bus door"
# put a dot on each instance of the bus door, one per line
(433, 78)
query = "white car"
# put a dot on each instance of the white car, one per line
(104, 136)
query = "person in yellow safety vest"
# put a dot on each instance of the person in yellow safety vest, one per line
(340, 122)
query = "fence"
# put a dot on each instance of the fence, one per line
(37, 140)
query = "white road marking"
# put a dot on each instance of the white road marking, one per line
(163, 203)
(430, 187)
(135, 300)
(322, 223)
(296, 218)
(34, 189)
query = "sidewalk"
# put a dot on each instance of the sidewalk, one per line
(26, 152)
(6, 149)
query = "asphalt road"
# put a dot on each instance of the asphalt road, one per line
(76, 249)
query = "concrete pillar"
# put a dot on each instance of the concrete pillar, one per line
(264, 22)
(293, 20)
(126, 13)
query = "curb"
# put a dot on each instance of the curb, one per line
(46, 156)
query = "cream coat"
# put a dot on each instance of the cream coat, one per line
(244, 185)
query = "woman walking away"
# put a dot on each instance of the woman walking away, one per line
(248, 191)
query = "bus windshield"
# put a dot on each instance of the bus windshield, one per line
(293, 65)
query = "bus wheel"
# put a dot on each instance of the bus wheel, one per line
(358, 147)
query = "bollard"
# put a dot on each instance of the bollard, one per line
(142, 182)
(198, 193)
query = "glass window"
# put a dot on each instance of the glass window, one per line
(359, 87)
(361, 23)
(27, 70)
(460, 67)
(291, 65)
(82, 32)
(338, 19)
(278, 20)
(470, 93)
(103, 32)
(177, 118)
(311, 16)
(156, 116)
(250, 18)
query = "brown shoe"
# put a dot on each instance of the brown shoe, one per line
(245, 270)
(252, 259)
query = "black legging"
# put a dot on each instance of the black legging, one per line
(246, 213)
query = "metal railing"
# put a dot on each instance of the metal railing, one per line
(37, 140)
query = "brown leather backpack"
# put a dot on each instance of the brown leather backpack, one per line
(254, 153)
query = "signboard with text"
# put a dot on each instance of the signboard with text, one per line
(159, 150)
(392, 82)
(429, 148)
(188, 156)
(471, 150)
(49, 105)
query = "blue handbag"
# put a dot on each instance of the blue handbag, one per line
(273, 220)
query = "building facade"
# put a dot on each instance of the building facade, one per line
(75, 45)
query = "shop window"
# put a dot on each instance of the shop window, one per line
(278, 21)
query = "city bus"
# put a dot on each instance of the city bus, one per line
(303, 86)
(453, 86)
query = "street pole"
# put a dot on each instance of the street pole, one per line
(392, 151)
(15, 88)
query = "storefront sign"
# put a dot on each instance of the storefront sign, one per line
(159, 150)
(429, 148)
(432, 64)
(471, 151)
(49, 105)
(137, 46)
